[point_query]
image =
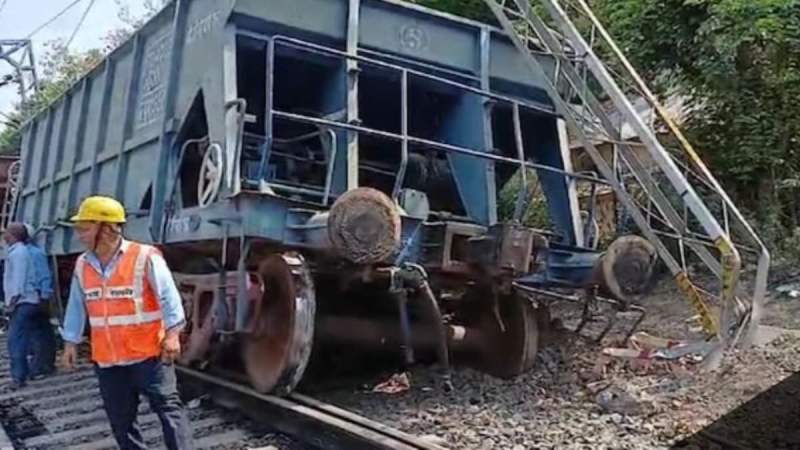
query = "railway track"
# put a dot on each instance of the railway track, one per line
(64, 411)
(315, 423)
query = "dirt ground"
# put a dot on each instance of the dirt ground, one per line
(576, 397)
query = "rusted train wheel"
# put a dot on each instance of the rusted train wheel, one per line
(508, 340)
(276, 353)
(515, 344)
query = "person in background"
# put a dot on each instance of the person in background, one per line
(22, 302)
(3, 316)
(135, 317)
(44, 345)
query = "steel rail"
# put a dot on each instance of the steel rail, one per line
(312, 421)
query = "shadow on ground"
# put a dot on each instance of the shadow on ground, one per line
(771, 420)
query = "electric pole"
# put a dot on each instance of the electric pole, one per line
(18, 53)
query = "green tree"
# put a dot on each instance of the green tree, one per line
(738, 64)
(131, 22)
(535, 212)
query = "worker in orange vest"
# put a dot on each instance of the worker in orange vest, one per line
(135, 317)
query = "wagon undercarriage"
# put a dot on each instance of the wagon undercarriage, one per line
(337, 182)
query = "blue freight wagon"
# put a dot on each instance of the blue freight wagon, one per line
(324, 174)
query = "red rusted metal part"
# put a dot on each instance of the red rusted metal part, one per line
(276, 353)
(503, 348)
(254, 285)
(386, 335)
(369, 333)
(509, 338)
(448, 247)
(276, 342)
(196, 339)
(198, 293)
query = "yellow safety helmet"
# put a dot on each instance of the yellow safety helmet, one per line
(100, 209)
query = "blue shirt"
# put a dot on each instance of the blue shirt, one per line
(159, 277)
(40, 267)
(19, 278)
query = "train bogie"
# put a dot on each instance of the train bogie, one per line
(330, 180)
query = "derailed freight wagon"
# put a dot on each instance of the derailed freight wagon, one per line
(325, 174)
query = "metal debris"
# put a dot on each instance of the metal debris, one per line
(791, 290)
(648, 347)
(396, 384)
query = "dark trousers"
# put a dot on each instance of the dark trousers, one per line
(22, 331)
(43, 347)
(120, 388)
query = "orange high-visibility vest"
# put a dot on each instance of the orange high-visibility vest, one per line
(124, 312)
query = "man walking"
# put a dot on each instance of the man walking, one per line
(135, 318)
(44, 344)
(23, 303)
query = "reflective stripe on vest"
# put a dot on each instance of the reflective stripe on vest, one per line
(138, 283)
(125, 320)
(124, 312)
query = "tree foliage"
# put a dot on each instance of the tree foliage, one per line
(131, 22)
(738, 64)
(535, 212)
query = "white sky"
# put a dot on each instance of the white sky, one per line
(19, 17)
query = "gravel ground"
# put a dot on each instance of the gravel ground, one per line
(578, 398)
(31, 413)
